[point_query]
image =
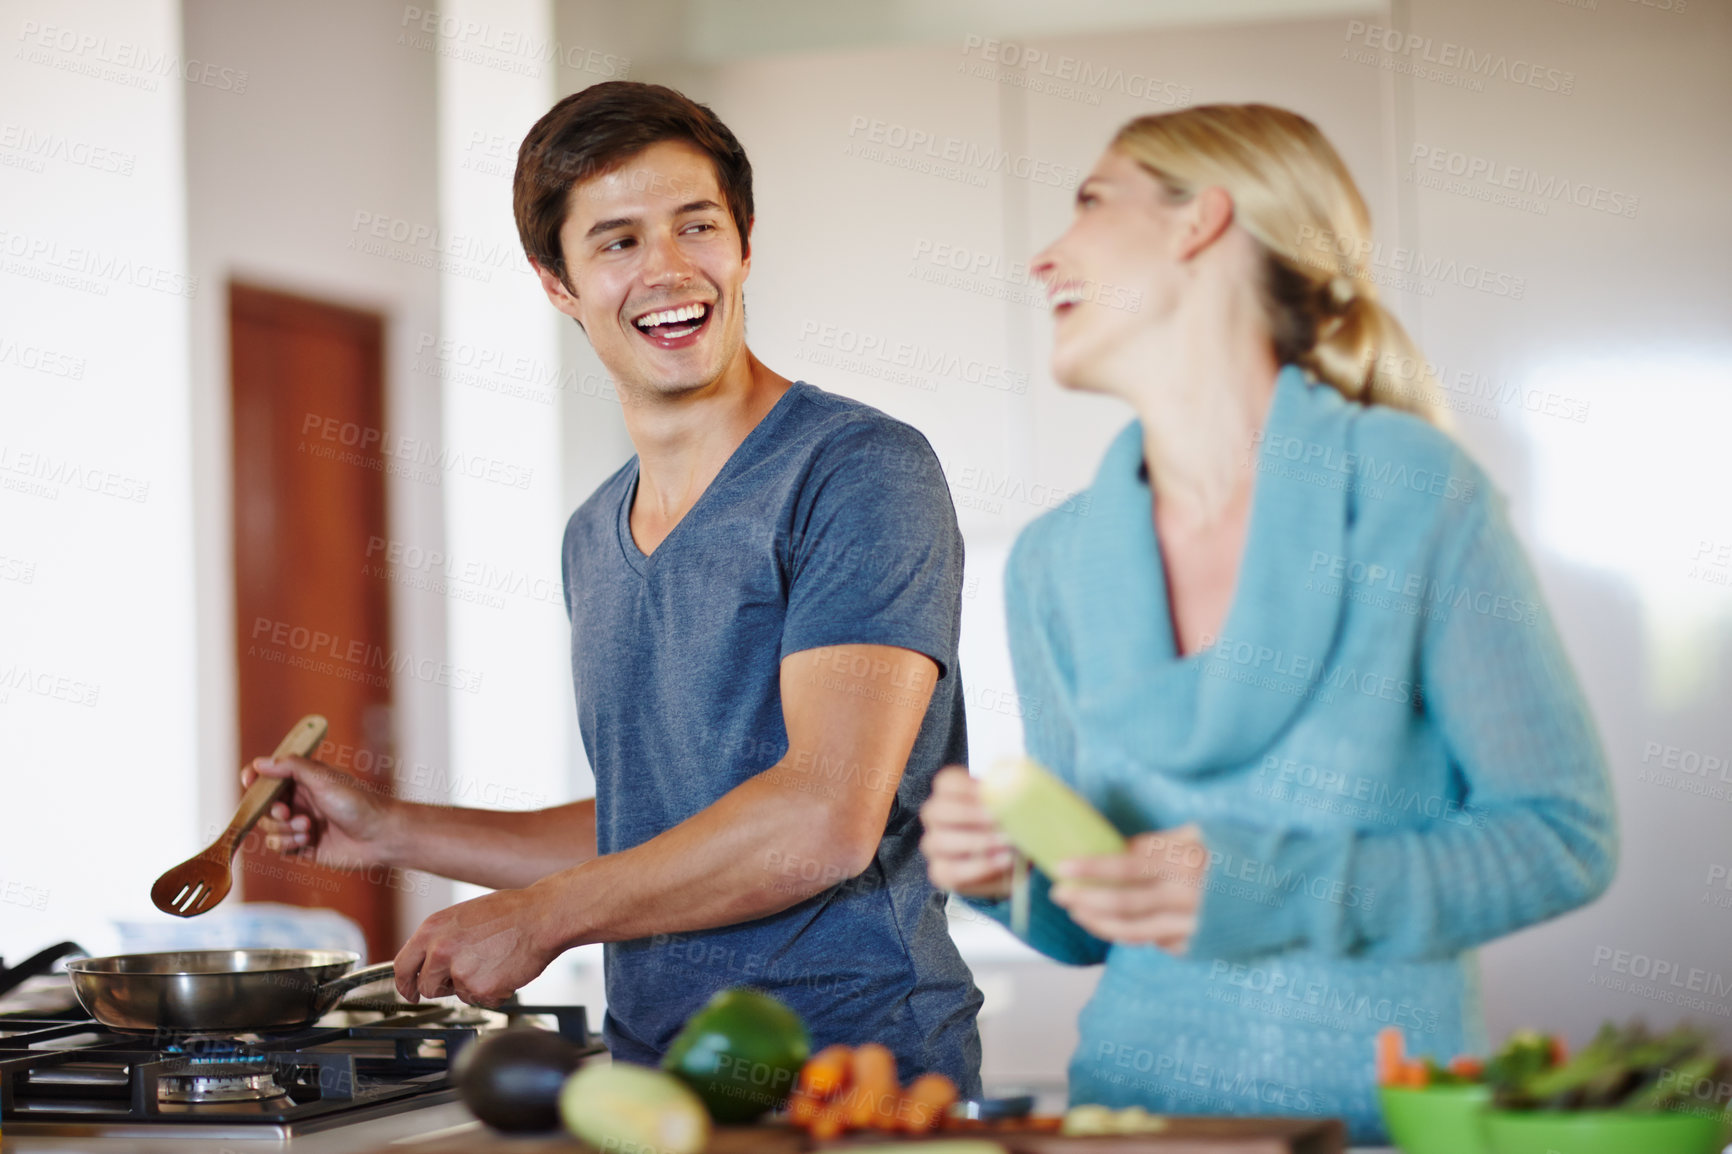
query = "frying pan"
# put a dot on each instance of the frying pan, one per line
(217, 991)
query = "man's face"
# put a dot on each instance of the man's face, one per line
(656, 276)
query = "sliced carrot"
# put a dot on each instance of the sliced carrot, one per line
(1466, 1066)
(826, 1072)
(924, 1104)
(872, 1098)
(819, 1119)
(1391, 1053)
(1418, 1076)
(830, 1121)
(803, 1108)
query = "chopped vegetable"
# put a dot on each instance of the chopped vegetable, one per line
(1620, 1069)
(621, 1107)
(924, 1104)
(1466, 1068)
(873, 1097)
(1391, 1054)
(1090, 1119)
(1044, 817)
(826, 1073)
(841, 1089)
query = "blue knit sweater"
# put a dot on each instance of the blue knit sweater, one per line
(1386, 750)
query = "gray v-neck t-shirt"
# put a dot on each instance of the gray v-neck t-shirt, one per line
(830, 525)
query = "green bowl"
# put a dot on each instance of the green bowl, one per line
(1435, 1120)
(1602, 1132)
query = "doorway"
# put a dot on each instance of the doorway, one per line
(312, 622)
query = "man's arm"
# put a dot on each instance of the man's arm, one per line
(344, 822)
(496, 848)
(808, 822)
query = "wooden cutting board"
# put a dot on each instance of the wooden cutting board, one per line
(1182, 1136)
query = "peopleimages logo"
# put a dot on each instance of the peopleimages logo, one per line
(868, 131)
(511, 49)
(120, 61)
(1433, 59)
(40, 146)
(864, 351)
(350, 442)
(1482, 177)
(90, 269)
(1069, 77)
(301, 647)
(1332, 252)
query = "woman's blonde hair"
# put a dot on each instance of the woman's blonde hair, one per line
(1292, 193)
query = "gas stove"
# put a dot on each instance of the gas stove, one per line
(71, 1084)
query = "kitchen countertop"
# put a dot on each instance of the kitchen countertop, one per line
(445, 1129)
(477, 1139)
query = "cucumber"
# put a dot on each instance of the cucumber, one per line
(634, 1108)
(1044, 818)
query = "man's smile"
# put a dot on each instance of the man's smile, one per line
(676, 326)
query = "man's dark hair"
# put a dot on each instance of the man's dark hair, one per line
(593, 132)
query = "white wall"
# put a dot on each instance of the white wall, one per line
(1626, 511)
(334, 135)
(504, 517)
(99, 742)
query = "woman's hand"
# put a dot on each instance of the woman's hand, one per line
(336, 818)
(1148, 895)
(965, 851)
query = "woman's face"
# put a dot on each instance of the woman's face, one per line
(1114, 274)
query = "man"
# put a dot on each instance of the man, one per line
(764, 609)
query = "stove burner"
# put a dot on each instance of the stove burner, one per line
(212, 1047)
(225, 1087)
(73, 1078)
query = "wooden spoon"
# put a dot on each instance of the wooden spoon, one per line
(200, 882)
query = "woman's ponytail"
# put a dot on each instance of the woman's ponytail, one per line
(1294, 195)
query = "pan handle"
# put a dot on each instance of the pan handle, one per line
(38, 963)
(332, 992)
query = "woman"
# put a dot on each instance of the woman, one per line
(1293, 651)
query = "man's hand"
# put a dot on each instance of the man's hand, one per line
(965, 850)
(483, 950)
(1148, 895)
(339, 819)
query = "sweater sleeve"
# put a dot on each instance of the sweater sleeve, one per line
(1536, 838)
(1049, 735)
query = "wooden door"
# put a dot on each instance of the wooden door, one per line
(312, 626)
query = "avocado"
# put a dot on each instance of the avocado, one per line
(741, 1054)
(511, 1080)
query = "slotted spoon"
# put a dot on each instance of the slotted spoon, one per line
(200, 882)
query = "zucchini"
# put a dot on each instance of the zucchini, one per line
(634, 1108)
(1043, 817)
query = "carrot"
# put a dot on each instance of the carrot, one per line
(1391, 1053)
(1466, 1066)
(824, 1075)
(872, 1099)
(822, 1120)
(830, 1121)
(1417, 1076)
(924, 1104)
(803, 1108)
(1560, 1052)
